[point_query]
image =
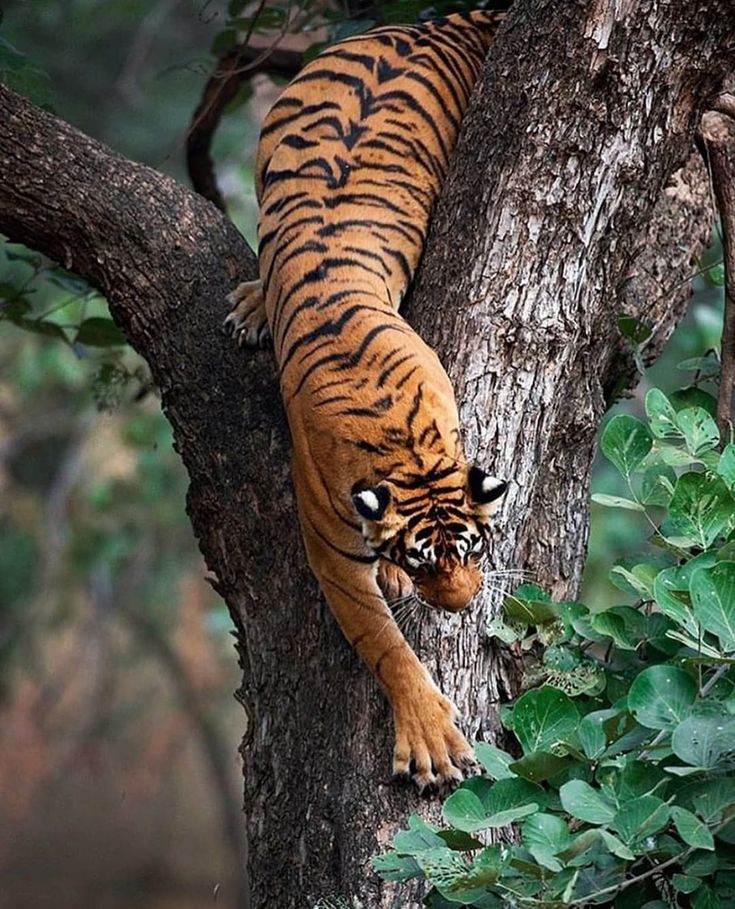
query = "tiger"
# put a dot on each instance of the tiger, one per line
(349, 164)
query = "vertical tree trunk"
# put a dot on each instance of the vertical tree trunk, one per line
(584, 113)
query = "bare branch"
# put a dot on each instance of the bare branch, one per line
(233, 67)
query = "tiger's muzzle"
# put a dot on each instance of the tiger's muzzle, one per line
(451, 588)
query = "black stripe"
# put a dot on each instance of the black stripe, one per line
(412, 104)
(329, 328)
(408, 375)
(352, 556)
(302, 112)
(305, 304)
(267, 238)
(383, 377)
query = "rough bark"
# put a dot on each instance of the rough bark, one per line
(585, 112)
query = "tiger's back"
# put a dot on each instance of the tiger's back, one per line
(351, 160)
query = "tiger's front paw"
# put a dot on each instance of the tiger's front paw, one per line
(429, 747)
(394, 583)
(247, 320)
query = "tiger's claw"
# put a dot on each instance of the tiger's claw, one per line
(430, 749)
(247, 320)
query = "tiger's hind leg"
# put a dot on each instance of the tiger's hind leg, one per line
(247, 319)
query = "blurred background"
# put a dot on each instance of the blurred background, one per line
(119, 771)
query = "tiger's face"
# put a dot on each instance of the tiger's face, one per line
(437, 533)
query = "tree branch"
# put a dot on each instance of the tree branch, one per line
(718, 133)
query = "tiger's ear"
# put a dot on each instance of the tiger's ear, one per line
(484, 489)
(371, 502)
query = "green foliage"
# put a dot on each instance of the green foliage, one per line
(626, 774)
(75, 394)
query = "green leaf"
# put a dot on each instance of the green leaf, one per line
(615, 846)
(633, 329)
(657, 634)
(693, 397)
(661, 696)
(634, 780)
(446, 870)
(41, 327)
(497, 628)
(561, 658)
(499, 804)
(700, 647)
(616, 502)
(726, 467)
(585, 803)
(625, 625)
(701, 864)
(658, 485)
(716, 275)
(708, 363)
(641, 818)
(599, 728)
(669, 455)
(713, 601)
(393, 867)
(637, 580)
(530, 612)
(543, 718)
(544, 835)
(703, 741)
(495, 761)
(418, 837)
(700, 509)
(705, 898)
(715, 798)
(580, 844)
(626, 441)
(672, 596)
(684, 883)
(459, 841)
(661, 414)
(467, 884)
(691, 829)
(700, 430)
(99, 332)
(538, 766)
(464, 810)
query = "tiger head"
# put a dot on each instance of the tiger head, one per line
(436, 532)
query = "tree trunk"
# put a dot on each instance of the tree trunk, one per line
(584, 113)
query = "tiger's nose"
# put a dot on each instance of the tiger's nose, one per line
(451, 590)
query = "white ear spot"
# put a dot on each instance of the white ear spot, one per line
(369, 500)
(372, 502)
(490, 484)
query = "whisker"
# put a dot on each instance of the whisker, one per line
(511, 572)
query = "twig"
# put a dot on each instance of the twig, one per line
(221, 88)
(718, 135)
